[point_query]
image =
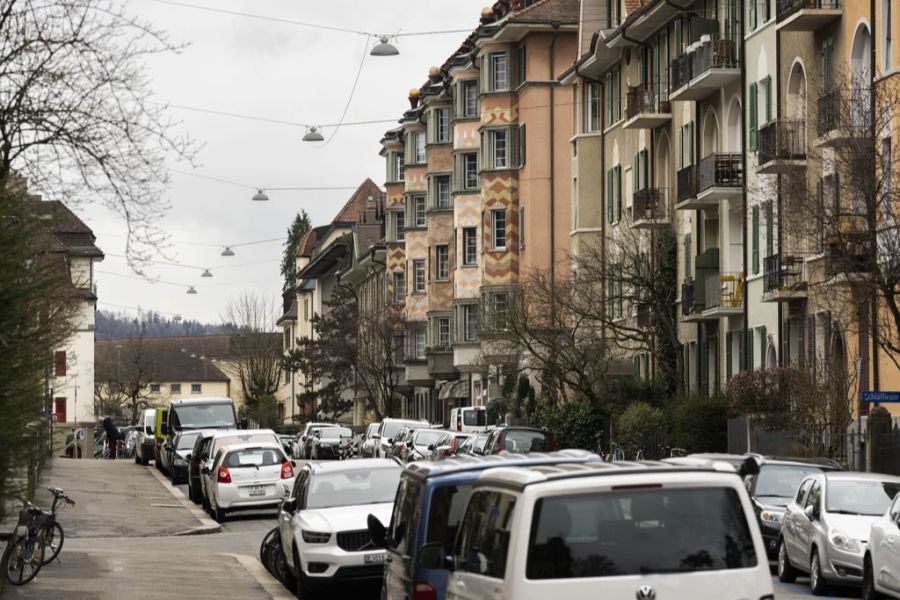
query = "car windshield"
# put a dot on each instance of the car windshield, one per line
(639, 532)
(392, 428)
(523, 440)
(186, 441)
(869, 498)
(353, 487)
(475, 418)
(448, 504)
(781, 481)
(423, 439)
(198, 416)
(253, 457)
(335, 433)
(371, 430)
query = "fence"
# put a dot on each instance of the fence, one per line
(846, 447)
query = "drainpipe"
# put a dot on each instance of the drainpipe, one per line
(781, 345)
(555, 25)
(873, 210)
(747, 331)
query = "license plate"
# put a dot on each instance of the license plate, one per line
(370, 559)
(258, 490)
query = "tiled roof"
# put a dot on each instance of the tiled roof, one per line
(70, 231)
(549, 10)
(365, 196)
(308, 243)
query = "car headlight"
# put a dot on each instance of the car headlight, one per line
(842, 541)
(316, 537)
(772, 517)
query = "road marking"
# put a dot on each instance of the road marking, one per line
(207, 525)
(272, 586)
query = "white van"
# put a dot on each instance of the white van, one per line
(144, 447)
(609, 530)
(469, 419)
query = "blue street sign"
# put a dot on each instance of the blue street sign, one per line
(881, 397)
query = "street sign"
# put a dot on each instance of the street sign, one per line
(881, 397)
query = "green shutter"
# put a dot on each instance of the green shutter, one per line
(619, 192)
(742, 364)
(728, 355)
(754, 100)
(769, 115)
(609, 196)
(609, 97)
(755, 241)
(636, 172)
(770, 230)
(762, 346)
(767, 14)
(752, 15)
(751, 357)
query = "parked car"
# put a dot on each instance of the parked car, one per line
(521, 440)
(323, 525)
(826, 526)
(224, 438)
(300, 445)
(447, 445)
(146, 437)
(473, 445)
(608, 530)
(883, 556)
(199, 413)
(389, 429)
(313, 432)
(772, 489)
(331, 443)
(287, 442)
(199, 456)
(430, 503)
(369, 441)
(469, 419)
(398, 446)
(420, 444)
(159, 418)
(180, 454)
(248, 476)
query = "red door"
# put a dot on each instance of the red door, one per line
(59, 409)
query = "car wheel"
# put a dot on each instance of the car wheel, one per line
(204, 502)
(786, 571)
(193, 493)
(287, 573)
(219, 515)
(145, 460)
(868, 584)
(817, 584)
(137, 459)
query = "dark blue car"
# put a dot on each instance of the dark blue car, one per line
(429, 506)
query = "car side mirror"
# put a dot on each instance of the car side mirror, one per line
(187, 458)
(244, 423)
(204, 457)
(377, 531)
(390, 440)
(205, 470)
(749, 467)
(148, 430)
(810, 512)
(478, 451)
(289, 505)
(431, 556)
(376, 437)
(165, 429)
(430, 447)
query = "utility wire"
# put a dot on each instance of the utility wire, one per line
(311, 188)
(186, 243)
(352, 91)
(233, 115)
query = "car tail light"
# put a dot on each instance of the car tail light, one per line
(423, 591)
(499, 445)
(447, 452)
(223, 475)
(553, 444)
(287, 471)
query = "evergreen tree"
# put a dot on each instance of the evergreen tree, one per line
(296, 231)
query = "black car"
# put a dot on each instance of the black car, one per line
(521, 440)
(180, 454)
(773, 488)
(199, 455)
(331, 443)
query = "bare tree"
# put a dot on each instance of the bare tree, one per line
(77, 116)
(379, 358)
(123, 373)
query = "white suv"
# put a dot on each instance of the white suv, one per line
(601, 530)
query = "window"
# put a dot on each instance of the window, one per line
(641, 170)
(499, 310)
(470, 98)
(442, 191)
(59, 363)
(614, 194)
(687, 145)
(442, 262)
(154, 388)
(886, 49)
(770, 229)
(467, 173)
(613, 13)
(196, 388)
(592, 106)
(418, 146)
(399, 287)
(469, 322)
(755, 240)
(400, 225)
(420, 343)
(306, 309)
(498, 229)
(175, 388)
(469, 246)
(399, 166)
(484, 534)
(418, 276)
(497, 71)
(418, 208)
(499, 150)
(287, 377)
(613, 96)
(754, 115)
(521, 139)
(520, 65)
(522, 227)
(405, 520)
(442, 118)
(443, 332)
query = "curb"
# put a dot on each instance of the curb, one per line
(207, 525)
(272, 586)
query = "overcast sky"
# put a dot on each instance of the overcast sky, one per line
(280, 71)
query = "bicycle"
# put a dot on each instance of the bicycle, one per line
(27, 552)
(52, 532)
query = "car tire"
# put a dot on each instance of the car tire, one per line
(868, 583)
(194, 493)
(219, 515)
(817, 584)
(137, 459)
(287, 573)
(204, 502)
(786, 571)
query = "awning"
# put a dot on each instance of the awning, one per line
(454, 390)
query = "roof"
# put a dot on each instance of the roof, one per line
(822, 463)
(308, 242)
(857, 476)
(71, 232)
(366, 196)
(548, 10)
(360, 464)
(476, 464)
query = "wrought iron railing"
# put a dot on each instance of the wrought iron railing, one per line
(650, 205)
(782, 272)
(786, 8)
(688, 289)
(646, 98)
(782, 139)
(721, 170)
(687, 183)
(645, 318)
(848, 110)
(717, 53)
(681, 70)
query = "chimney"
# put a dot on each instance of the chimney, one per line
(413, 97)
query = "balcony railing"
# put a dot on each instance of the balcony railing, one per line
(724, 290)
(781, 273)
(783, 139)
(646, 98)
(786, 8)
(681, 70)
(645, 318)
(721, 170)
(687, 297)
(718, 53)
(687, 183)
(850, 111)
(650, 205)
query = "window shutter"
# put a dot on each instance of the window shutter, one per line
(763, 346)
(619, 193)
(522, 145)
(609, 196)
(767, 10)
(826, 339)
(770, 230)
(742, 360)
(754, 100)
(811, 347)
(636, 172)
(751, 357)
(728, 355)
(801, 343)
(769, 115)
(786, 343)
(752, 15)
(755, 241)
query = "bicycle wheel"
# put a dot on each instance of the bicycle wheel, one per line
(53, 541)
(25, 560)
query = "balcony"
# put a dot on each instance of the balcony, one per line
(440, 364)
(713, 65)
(688, 295)
(782, 146)
(724, 295)
(806, 15)
(784, 279)
(650, 208)
(646, 107)
(843, 116)
(721, 177)
(847, 251)
(694, 292)
(417, 373)
(687, 189)
(644, 316)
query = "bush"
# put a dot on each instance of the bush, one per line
(642, 427)
(701, 424)
(576, 423)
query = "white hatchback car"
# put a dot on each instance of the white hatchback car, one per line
(609, 530)
(324, 524)
(248, 477)
(881, 566)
